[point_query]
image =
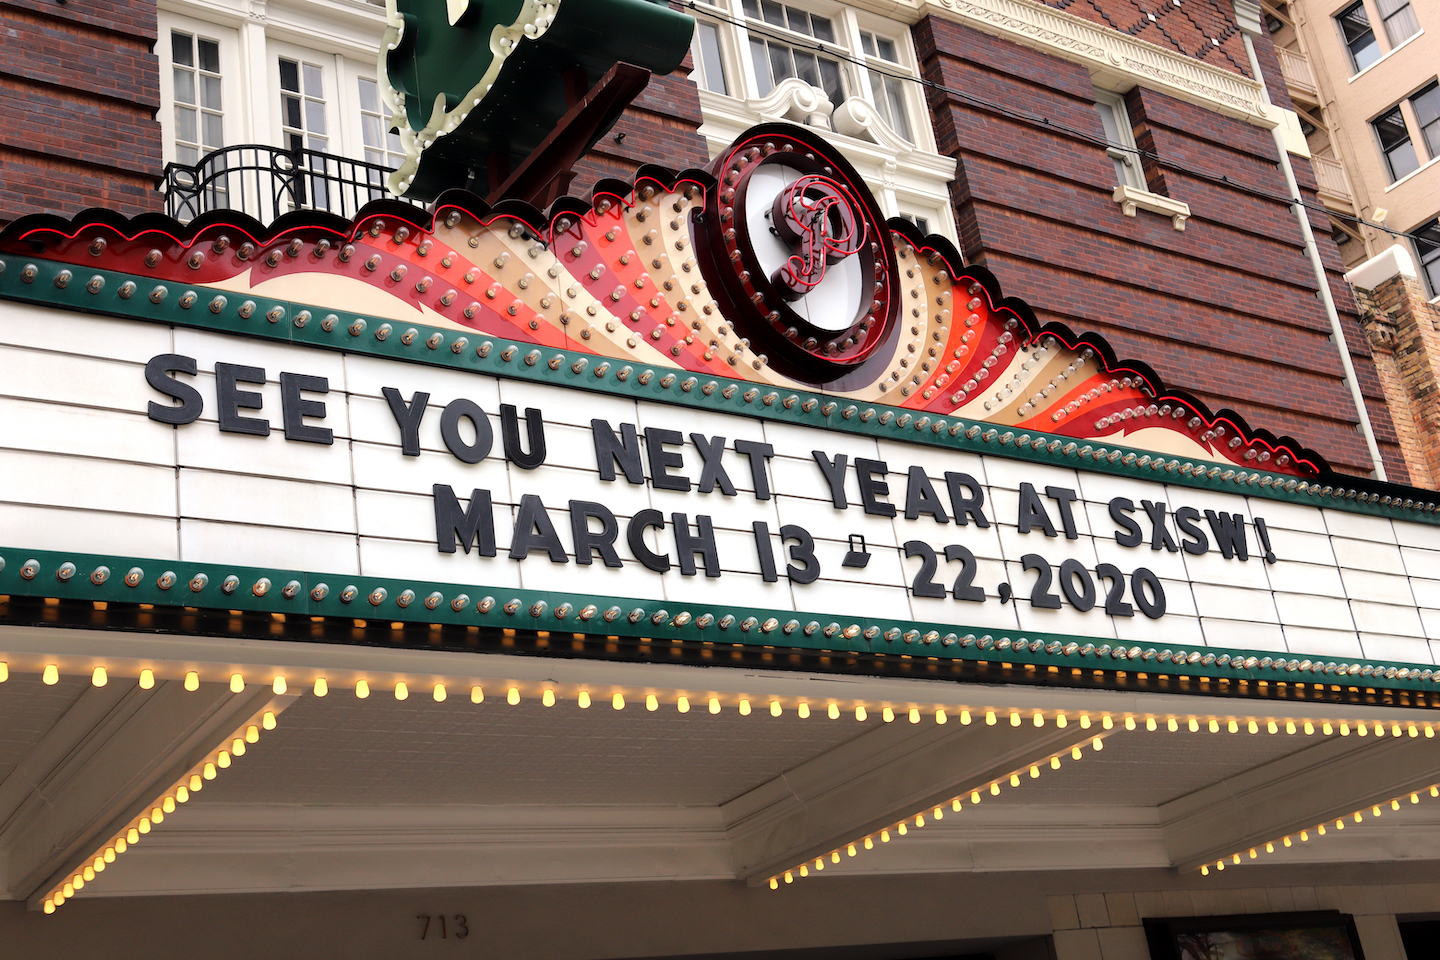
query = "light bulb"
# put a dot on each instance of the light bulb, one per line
(237, 747)
(869, 844)
(88, 873)
(1034, 771)
(1320, 830)
(994, 789)
(974, 796)
(835, 856)
(49, 906)
(1414, 798)
(1287, 842)
(850, 850)
(940, 717)
(990, 718)
(1253, 853)
(1014, 718)
(819, 863)
(278, 685)
(439, 693)
(547, 697)
(51, 676)
(860, 713)
(192, 681)
(222, 759)
(362, 689)
(1061, 721)
(652, 703)
(1204, 869)
(884, 836)
(583, 700)
(919, 820)
(237, 683)
(168, 804)
(804, 870)
(774, 884)
(1194, 725)
(209, 771)
(618, 701)
(268, 720)
(774, 708)
(1014, 780)
(252, 734)
(402, 690)
(1171, 725)
(68, 890)
(1097, 744)
(833, 711)
(1271, 727)
(1084, 721)
(1054, 763)
(744, 708)
(1252, 727)
(131, 836)
(1344, 729)
(965, 717)
(914, 715)
(144, 824)
(512, 696)
(789, 877)
(1074, 753)
(715, 705)
(322, 686)
(1290, 727)
(99, 677)
(196, 784)
(1233, 727)
(1270, 848)
(109, 854)
(1039, 719)
(1106, 722)
(938, 814)
(1394, 805)
(1150, 724)
(803, 711)
(1214, 726)
(476, 694)
(887, 715)
(4, 671)
(182, 794)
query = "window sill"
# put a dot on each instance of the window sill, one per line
(1413, 173)
(1132, 200)
(1393, 50)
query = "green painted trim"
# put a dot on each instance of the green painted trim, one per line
(168, 583)
(309, 325)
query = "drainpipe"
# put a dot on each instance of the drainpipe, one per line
(1247, 18)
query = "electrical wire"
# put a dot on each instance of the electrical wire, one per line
(798, 41)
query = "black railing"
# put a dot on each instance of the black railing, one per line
(266, 182)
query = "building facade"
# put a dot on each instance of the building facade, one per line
(1031, 554)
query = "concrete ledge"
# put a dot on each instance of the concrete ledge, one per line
(1388, 263)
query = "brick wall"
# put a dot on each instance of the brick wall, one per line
(81, 86)
(1404, 331)
(1226, 309)
(1203, 29)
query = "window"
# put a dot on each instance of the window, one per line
(1120, 136)
(199, 117)
(1399, 19)
(1395, 143)
(887, 91)
(775, 61)
(1427, 245)
(709, 71)
(1359, 38)
(302, 106)
(921, 223)
(381, 146)
(1426, 105)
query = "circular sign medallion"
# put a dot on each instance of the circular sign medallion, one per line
(797, 252)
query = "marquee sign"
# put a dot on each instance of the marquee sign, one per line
(733, 407)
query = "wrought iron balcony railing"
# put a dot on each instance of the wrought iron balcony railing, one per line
(266, 182)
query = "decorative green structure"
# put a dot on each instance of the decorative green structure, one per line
(475, 86)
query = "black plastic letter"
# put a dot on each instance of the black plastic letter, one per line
(510, 435)
(408, 418)
(191, 404)
(474, 524)
(230, 399)
(450, 430)
(296, 408)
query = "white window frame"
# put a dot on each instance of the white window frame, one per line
(1123, 154)
(232, 79)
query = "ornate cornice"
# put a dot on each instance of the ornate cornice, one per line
(1117, 61)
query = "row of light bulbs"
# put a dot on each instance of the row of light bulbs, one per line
(167, 803)
(1322, 829)
(903, 826)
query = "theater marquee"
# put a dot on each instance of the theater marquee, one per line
(732, 407)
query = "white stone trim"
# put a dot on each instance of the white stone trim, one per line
(1131, 200)
(1390, 262)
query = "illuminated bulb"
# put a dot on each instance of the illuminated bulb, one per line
(903, 830)
(476, 694)
(789, 877)
(1429, 732)
(132, 836)
(1270, 848)
(1287, 842)
(835, 856)
(994, 789)
(652, 704)
(402, 690)
(1252, 727)
(774, 708)
(237, 747)
(1290, 727)
(1435, 791)
(196, 783)
(1320, 829)
(914, 715)
(715, 707)
(268, 720)
(209, 772)
(1097, 744)
(919, 820)
(938, 814)
(974, 796)
(1054, 763)
(237, 683)
(1220, 864)
(965, 717)
(109, 855)
(439, 693)
(1271, 727)
(744, 707)
(1171, 725)
(819, 863)
(182, 794)
(804, 870)
(955, 804)
(869, 844)
(583, 701)
(834, 711)
(884, 836)
(990, 717)
(1236, 859)
(850, 850)
(1412, 730)
(68, 890)
(99, 677)
(1150, 724)
(1253, 853)
(322, 686)
(1204, 870)
(222, 759)
(51, 676)
(1232, 727)
(168, 804)
(144, 824)
(1061, 721)
(1194, 725)
(618, 701)
(1364, 731)
(1084, 721)
(1014, 718)
(4, 671)
(774, 884)
(1129, 723)
(362, 689)
(1034, 771)
(1414, 798)
(49, 906)
(1214, 726)
(278, 685)
(1014, 780)
(1394, 805)
(887, 715)
(1106, 722)
(860, 713)
(940, 717)
(252, 734)
(682, 705)
(1344, 729)
(1074, 753)
(192, 681)
(512, 696)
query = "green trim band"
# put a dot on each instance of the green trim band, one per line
(133, 297)
(96, 577)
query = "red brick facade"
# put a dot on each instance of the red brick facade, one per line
(81, 87)
(1404, 331)
(1226, 310)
